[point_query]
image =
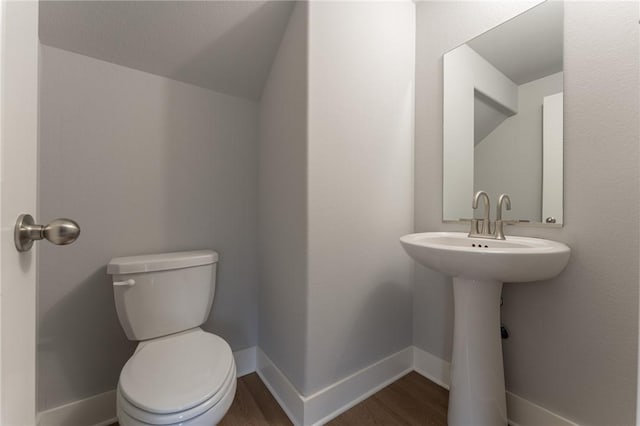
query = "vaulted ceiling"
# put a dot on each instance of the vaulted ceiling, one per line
(226, 46)
(527, 47)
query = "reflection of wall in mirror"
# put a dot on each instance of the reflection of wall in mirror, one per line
(465, 73)
(514, 149)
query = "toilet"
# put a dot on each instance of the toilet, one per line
(179, 374)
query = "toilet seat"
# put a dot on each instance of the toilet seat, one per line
(214, 408)
(176, 378)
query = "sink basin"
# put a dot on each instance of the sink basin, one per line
(479, 267)
(516, 259)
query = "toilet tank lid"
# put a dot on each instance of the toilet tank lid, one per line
(161, 262)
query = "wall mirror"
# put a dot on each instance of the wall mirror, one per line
(503, 118)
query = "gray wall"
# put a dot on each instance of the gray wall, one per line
(145, 165)
(283, 203)
(361, 75)
(573, 345)
(332, 181)
(514, 149)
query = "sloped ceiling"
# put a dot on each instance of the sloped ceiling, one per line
(527, 47)
(226, 46)
(488, 115)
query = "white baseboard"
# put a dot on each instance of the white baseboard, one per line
(98, 410)
(521, 412)
(320, 407)
(334, 400)
(328, 403)
(526, 413)
(281, 388)
(245, 361)
(431, 367)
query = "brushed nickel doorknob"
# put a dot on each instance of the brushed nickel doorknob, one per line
(60, 232)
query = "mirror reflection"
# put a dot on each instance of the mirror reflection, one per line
(503, 118)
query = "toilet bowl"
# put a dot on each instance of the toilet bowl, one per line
(188, 378)
(179, 373)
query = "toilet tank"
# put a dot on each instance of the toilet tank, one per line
(161, 294)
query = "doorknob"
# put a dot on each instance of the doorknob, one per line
(59, 231)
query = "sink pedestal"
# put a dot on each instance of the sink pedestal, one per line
(477, 394)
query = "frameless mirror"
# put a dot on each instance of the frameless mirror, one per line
(503, 118)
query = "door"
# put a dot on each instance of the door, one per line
(18, 192)
(552, 158)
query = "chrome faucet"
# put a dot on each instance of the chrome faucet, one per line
(499, 228)
(483, 230)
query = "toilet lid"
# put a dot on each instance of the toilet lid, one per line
(176, 373)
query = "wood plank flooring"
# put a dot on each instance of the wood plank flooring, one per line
(411, 400)
(254, 405)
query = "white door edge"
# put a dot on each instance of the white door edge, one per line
(18, 194)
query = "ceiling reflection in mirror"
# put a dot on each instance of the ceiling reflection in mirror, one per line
(503, 118)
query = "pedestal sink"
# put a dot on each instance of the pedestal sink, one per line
(479, 267)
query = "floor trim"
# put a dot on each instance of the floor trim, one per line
(330, 402)
(245, 361)
(521, 412)
(322, 406)
(334, 400)
(431, 367)
(524, 413)
(281, 388)
(98, 410)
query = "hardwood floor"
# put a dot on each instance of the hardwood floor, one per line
(410, 400)
(254, 405)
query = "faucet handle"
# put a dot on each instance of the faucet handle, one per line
(473, 228)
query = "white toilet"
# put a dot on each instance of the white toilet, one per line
(179, 374)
